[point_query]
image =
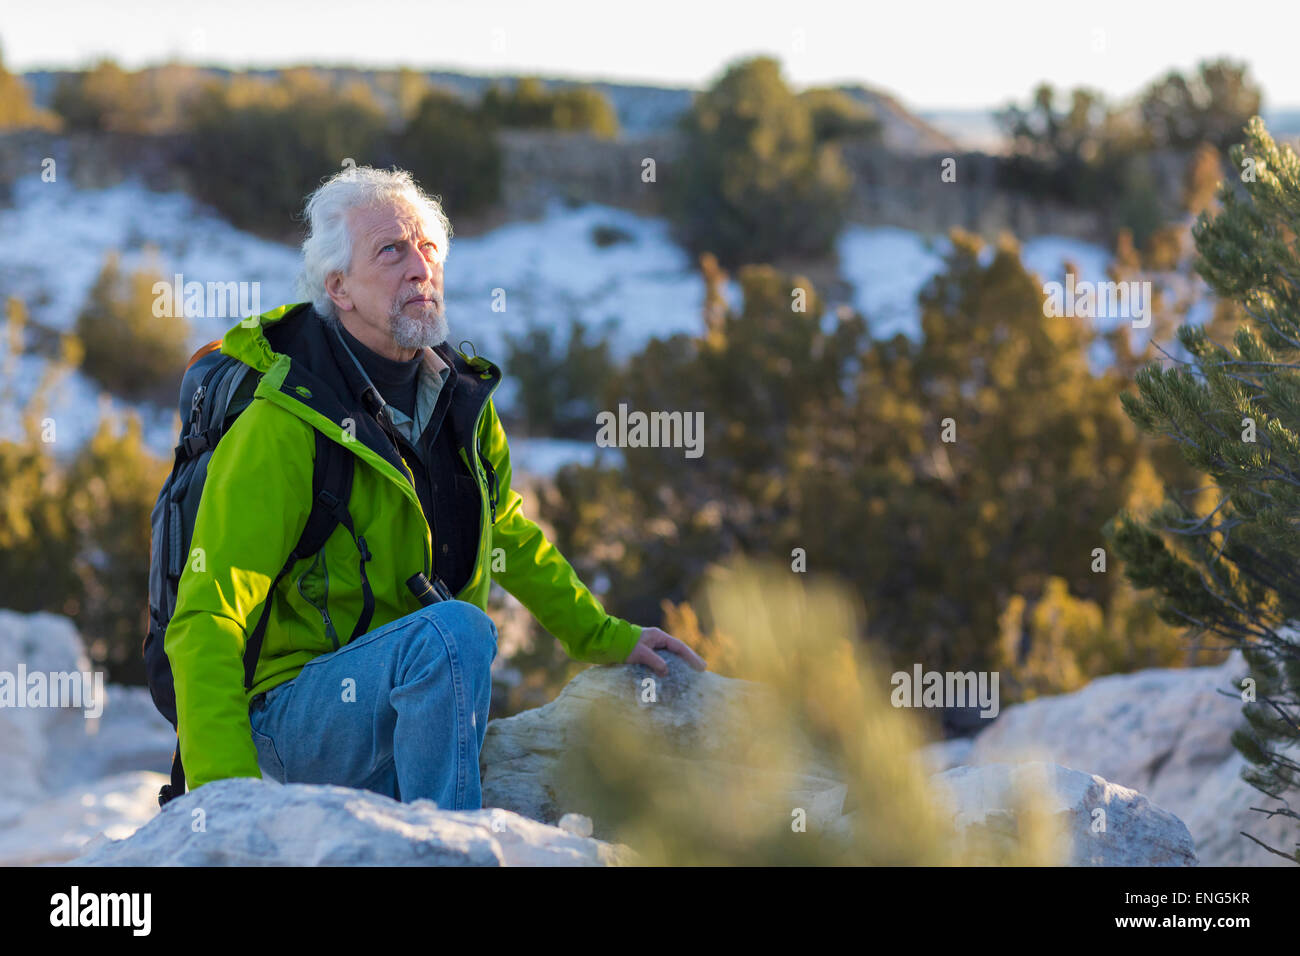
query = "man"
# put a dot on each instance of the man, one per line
(401, 707)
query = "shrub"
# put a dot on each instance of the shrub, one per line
(754, 182)
(562, 388)
(258, 148)
(453, 148)
(128, 349)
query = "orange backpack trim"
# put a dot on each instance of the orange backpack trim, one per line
(203, 350)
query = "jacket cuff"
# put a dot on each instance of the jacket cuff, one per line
(626, 636)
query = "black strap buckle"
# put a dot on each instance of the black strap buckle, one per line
(196, 443)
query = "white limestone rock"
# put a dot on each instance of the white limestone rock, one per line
(697, 717)
(1163, 732)
(247, 822)
(1101, 823)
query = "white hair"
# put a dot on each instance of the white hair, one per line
(328, 246)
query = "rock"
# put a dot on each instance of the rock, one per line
(521, 767)
(1136, 832)
(576, 824)
(246, 822)
(45, 751)
(947, 754)
(44, 643)
(69, 824)
(1163, 732)
(695, 713)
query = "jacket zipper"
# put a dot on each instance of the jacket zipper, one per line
(493, 487)
(481, 482)
(478, 420)
(324, 605)
(329, 628)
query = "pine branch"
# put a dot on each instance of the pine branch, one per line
(1292, 858)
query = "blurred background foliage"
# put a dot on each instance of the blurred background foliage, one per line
(129, 350)
(976, 553)
(74, 531)
(1077, 147)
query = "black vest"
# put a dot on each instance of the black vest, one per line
(448, 492)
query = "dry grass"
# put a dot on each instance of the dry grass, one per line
(829, 709)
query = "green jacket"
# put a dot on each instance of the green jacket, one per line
(255, 502)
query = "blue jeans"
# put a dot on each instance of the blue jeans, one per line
(401, 710)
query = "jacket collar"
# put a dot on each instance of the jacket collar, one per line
(321, 379)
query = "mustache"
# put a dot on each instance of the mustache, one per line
(435, 298)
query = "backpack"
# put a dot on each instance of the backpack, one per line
(214, 390)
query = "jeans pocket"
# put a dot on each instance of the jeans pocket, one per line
(268, 758)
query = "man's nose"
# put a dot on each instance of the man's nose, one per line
(423, 271)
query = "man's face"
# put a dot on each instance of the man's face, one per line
(394, 286)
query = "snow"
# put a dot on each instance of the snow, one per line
(551, 271)
(54, 240)
(888, 266)
(65, 775)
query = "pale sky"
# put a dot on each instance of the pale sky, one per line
(932, 54)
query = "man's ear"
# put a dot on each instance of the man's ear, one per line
(336, 288)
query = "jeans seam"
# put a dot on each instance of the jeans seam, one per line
(274, 750)
(458, 686)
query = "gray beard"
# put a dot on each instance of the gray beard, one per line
(417, 333)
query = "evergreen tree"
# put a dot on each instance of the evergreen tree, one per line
(560, 384)
(1211, 106)
(528, 104)
(754, 183)
(258, 147)
(1226, 566)
(104, 98)
(74, 534)
(837, 115)
(453, 148)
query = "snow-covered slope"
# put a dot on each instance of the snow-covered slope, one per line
(54, 239)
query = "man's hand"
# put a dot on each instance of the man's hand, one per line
(653, 639)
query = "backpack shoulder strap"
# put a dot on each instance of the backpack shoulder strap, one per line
(334, 492)
(331, 490)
